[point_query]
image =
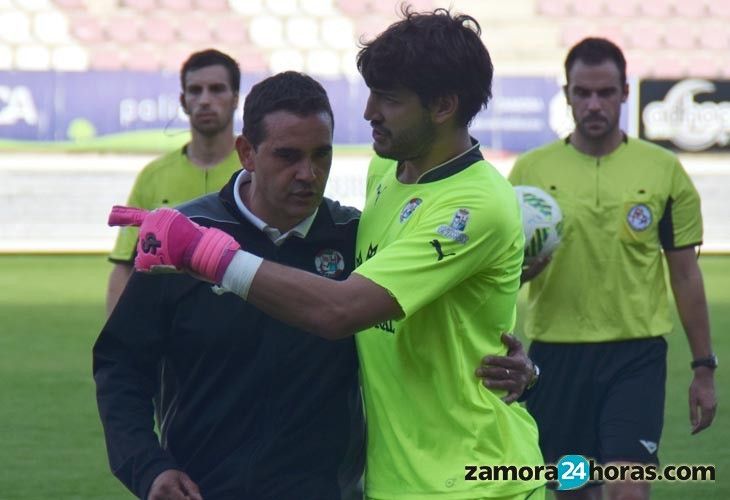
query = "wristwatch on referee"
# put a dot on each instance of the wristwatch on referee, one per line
(708, 362)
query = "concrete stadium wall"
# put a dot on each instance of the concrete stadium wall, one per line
(59, 203)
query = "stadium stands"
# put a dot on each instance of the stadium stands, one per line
(157, 30)
(6, 58)
(661, 38)
(623, 9)
(525, 37)
(32, 57)
(656, 8)
(714, 35)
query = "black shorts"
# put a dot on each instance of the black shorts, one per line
(604, 401)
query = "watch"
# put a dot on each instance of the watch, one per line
(708, 362)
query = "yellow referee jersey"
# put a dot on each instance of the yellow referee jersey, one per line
(606, 279)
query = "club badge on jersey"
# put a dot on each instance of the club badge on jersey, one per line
(455, 231)
(408, 210)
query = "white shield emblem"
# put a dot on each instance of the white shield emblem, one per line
(409, 208)
(639, 217)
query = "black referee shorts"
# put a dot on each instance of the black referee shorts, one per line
(604, 401)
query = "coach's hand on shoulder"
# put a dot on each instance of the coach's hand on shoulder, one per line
(512, 373)
(174, 485)
(702, 402)
(169, 241)
(531, 270)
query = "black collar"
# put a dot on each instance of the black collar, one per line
(454, 165)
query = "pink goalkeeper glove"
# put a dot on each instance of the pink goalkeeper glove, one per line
(169, 241)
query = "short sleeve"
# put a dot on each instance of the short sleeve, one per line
(681, 223)
(126, 242)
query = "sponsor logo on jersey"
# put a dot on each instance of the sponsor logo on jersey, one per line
(440, 253)
(639, 217)
(329, 263)
(386, 326)
(455, 231)
(407, 211)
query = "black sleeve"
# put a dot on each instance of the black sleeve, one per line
(125, 364)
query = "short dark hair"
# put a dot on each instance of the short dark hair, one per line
(433, 54)
(289, 91)
(594, 51)
(212, 57)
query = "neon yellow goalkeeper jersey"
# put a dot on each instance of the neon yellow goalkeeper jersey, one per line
(606, 279)
(449, 249)
(166, 182)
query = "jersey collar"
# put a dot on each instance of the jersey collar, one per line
(277, 237)
(454, 165)
(625, 138)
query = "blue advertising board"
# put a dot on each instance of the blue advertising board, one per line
(71, 107)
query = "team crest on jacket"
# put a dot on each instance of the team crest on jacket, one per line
(329, 263)
(407, 211)
(455, 231)
(639, 217)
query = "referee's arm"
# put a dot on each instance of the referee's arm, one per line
(689, 294)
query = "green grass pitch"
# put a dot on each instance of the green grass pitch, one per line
(51, 310)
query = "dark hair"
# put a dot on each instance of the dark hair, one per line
(594, 51)
(212, 57)
(288, 91)
(433, 54)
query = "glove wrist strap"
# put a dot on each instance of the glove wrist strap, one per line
(240, 273)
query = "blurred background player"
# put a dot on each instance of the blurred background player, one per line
(598, 312)
(210, 82)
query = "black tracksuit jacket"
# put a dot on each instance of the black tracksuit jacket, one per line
(248, 407)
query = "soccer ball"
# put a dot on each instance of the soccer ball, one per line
(542, 222)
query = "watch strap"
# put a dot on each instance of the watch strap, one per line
(708, 362)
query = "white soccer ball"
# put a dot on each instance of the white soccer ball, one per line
(542, 222)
